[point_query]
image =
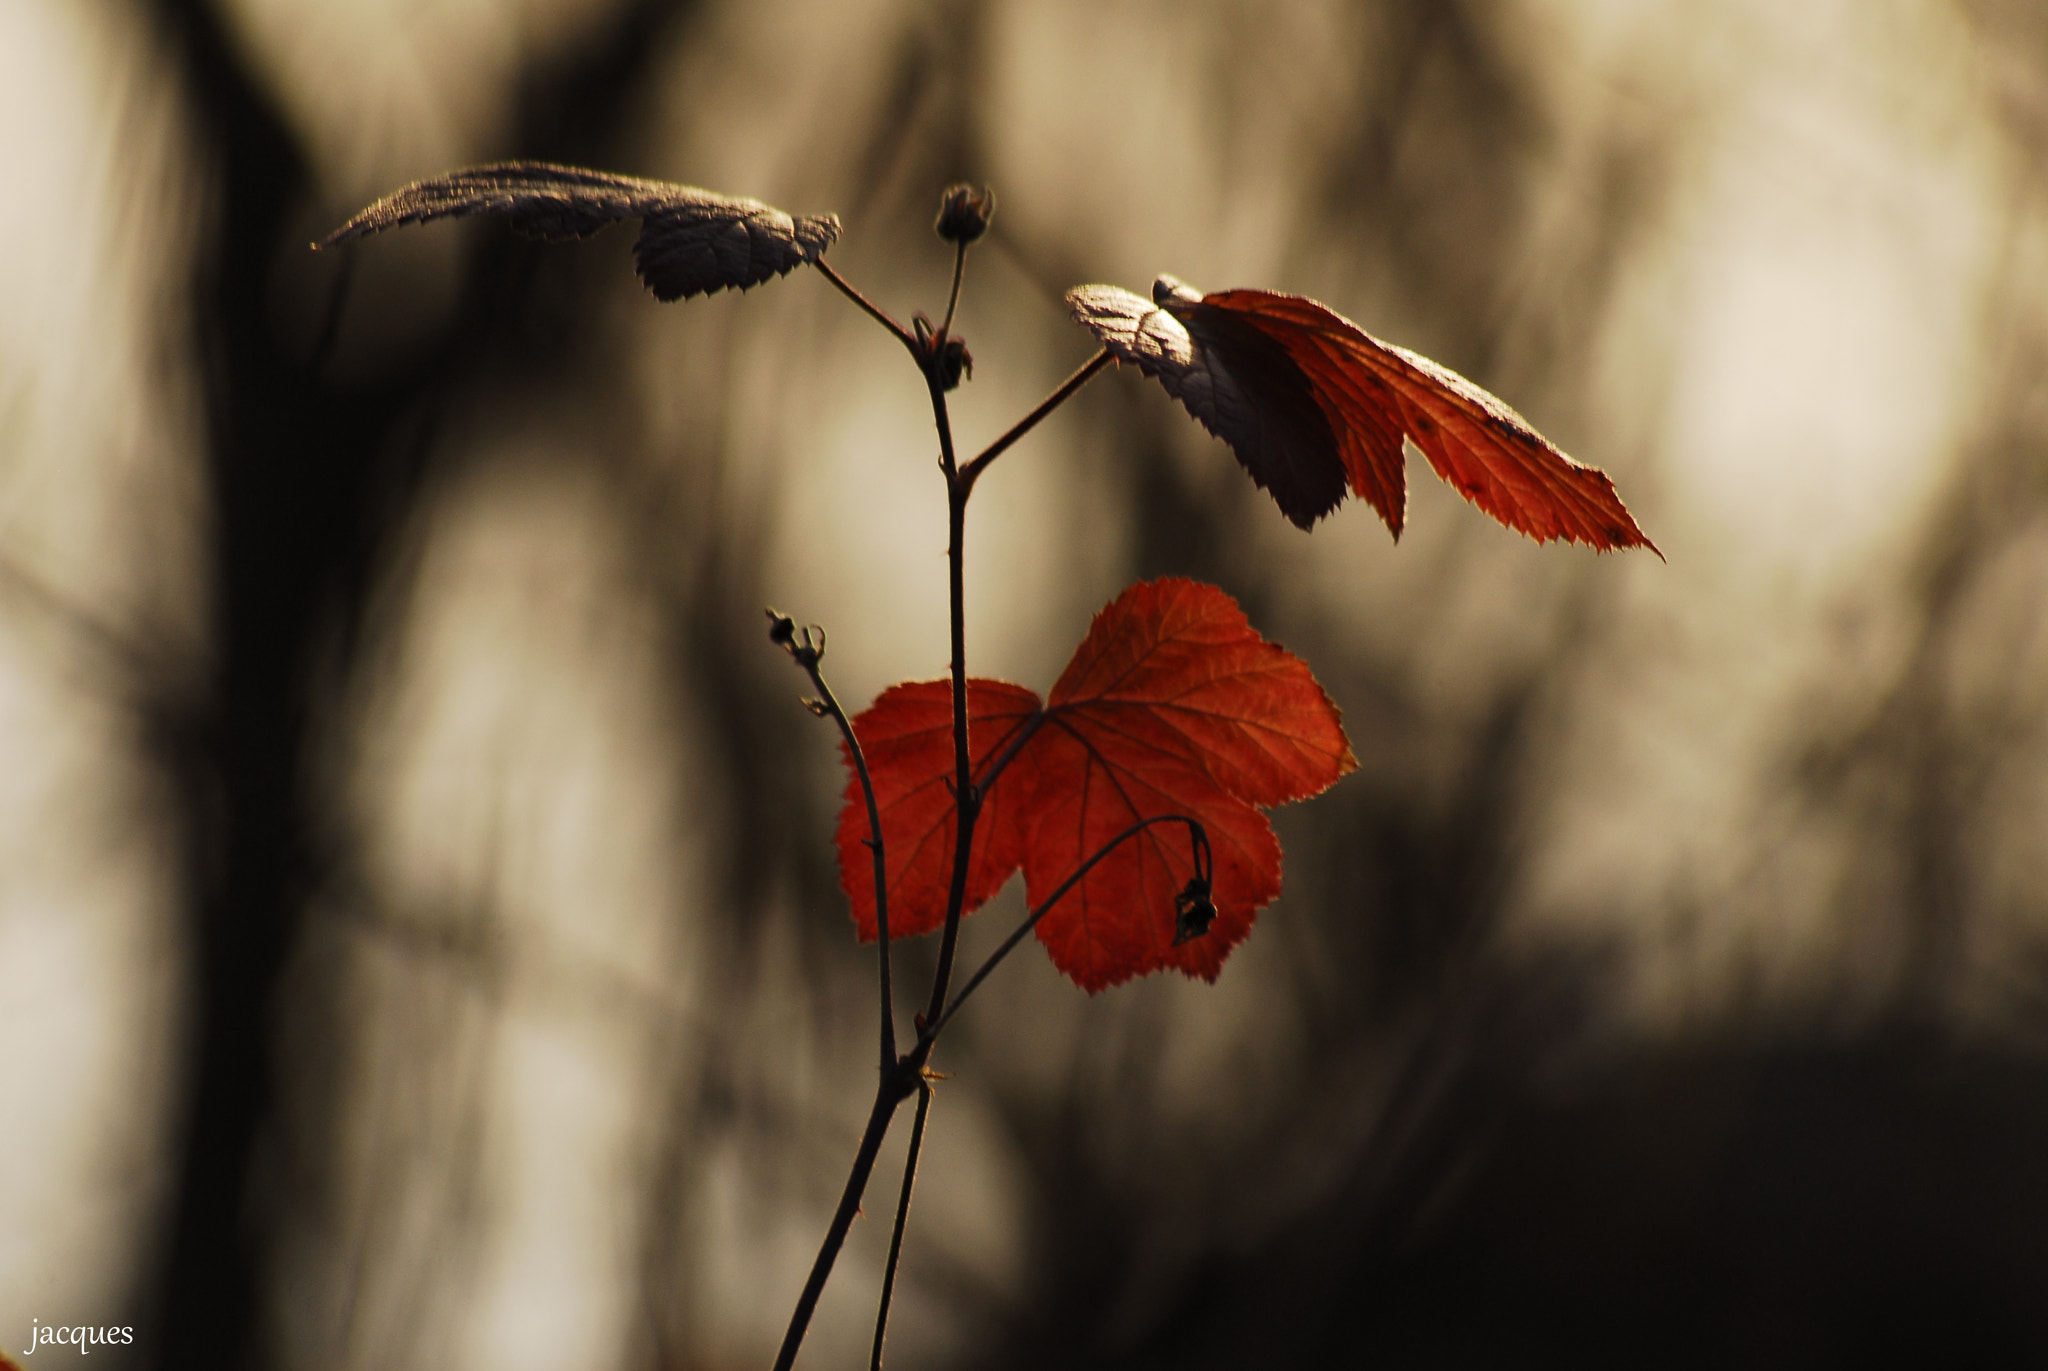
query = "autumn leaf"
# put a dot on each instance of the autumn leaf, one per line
(691, 241)
(1173, 704)
(1311, 404)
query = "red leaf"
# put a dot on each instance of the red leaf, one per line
(1310, 402)
(1119, 921)
(1172, 705)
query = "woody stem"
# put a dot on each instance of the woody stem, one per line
(924, 1108)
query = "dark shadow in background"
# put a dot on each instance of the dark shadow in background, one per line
(306, 479)
(1776, 1200)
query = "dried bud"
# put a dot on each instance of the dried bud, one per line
(1193, 911)
(781, 629)
(964, 213)
(956, 360)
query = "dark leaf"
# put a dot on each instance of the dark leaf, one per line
(691, 241)
(1245, 391)
(1311, 403)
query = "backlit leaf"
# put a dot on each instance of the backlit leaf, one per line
(1173, 704)
(1311, 404)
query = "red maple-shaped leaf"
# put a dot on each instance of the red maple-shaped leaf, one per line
(1173, 705)
(1312, 404)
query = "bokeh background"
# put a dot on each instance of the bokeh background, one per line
(420, 941)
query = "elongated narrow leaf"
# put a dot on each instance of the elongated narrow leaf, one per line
(1330, 405)
(1172, 705)
(691, 241)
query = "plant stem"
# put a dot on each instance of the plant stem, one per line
(1196, 833)
(965, 804)
(1081, 377)
(924, 1107)
(891, 1093)
(953, 299)
(807, 658)
(875, 312)
(901, 1075)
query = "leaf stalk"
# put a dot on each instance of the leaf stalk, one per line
(1087, 372)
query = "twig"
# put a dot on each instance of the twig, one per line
(905, 1075)
(875, 312)
(952, 299)
(1204, 867)
(965, 803)
(924, 1107)
(807, 653)
(1081, 377)
(891, 1094)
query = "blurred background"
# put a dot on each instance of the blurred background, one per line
(421, 942)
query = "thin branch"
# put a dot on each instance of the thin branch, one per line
(1197, 835)
(924, 1107)
(807, 654)
(875, 312)
(891, 1094)
(972, 472)
(953, 299)
(964, 803)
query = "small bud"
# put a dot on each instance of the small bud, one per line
(1193, 911)
(954, 362)
(964, 213)
(781, 629)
